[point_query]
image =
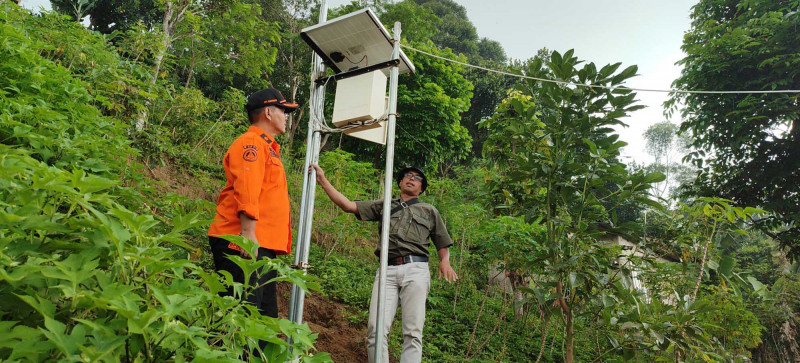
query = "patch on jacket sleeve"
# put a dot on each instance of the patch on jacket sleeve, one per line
(250, 153)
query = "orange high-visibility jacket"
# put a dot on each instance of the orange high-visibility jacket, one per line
(256, 185)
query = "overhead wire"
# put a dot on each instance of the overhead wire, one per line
(414, 138)
(679, 91)
(324, 128)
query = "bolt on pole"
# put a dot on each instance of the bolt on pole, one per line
(387, 196)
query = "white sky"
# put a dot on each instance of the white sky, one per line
(647, 33)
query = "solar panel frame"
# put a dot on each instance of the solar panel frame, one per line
(348, 34)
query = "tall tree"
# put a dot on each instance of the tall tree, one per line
(558, 160)
(752, 140)
(419, 23)
(455, 31)
(294, 56)
(490, 89)
(666, 147)
(231, 46)
(76, 9)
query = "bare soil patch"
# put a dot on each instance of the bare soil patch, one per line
(345, 341)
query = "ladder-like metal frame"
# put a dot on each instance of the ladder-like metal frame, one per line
(316, 102)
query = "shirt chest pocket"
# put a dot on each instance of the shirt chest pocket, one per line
(275, 171)
(420, 228)
(395, 224)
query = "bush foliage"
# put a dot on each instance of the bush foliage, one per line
(89, 271)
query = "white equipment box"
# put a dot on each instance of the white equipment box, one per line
(358, 99)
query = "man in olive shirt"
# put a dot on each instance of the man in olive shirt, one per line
(408, 279)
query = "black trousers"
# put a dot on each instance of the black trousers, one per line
(265, 297)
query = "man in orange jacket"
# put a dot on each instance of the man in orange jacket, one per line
(255, 200)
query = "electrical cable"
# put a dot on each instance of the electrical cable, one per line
(414, 138)
(322, 127)
(789, 91)
(352, 125)
(319, 121)
(359, 62)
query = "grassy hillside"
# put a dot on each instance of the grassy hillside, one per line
(97, 264)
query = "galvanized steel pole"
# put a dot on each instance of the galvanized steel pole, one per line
(387, 196)
(316, 109)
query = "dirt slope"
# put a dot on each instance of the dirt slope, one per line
(337, 336)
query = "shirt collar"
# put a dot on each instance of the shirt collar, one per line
(266, 137)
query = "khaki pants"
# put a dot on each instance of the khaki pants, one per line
(407, 285)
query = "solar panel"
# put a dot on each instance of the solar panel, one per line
(353, 41)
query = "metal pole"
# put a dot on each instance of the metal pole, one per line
(387, 196)
(316, 108)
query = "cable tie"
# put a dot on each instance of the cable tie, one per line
(301, 266)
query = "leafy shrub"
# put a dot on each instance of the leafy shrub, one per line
(87, 271)
(49, 113)
(86, 278)
(735, 327)
(119, 87)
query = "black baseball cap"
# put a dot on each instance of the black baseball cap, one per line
(268, 97)
(401, 174)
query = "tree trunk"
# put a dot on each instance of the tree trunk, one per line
(788, 335)
(171, 20)
(191, 67)
(545, 331)
(569, 353)
(702, 266)
(294, 85)
(165, 40)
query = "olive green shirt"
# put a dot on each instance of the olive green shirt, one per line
(409, 229)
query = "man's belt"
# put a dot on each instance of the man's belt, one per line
(394, 261)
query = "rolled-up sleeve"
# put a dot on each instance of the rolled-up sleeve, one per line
(369, 210)
(439, 235)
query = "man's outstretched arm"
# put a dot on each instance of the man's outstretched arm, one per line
(336, 197)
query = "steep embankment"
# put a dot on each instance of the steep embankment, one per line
(94, 261)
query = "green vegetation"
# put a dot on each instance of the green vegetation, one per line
(746, 45)
(95, 267)
(111, 142)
